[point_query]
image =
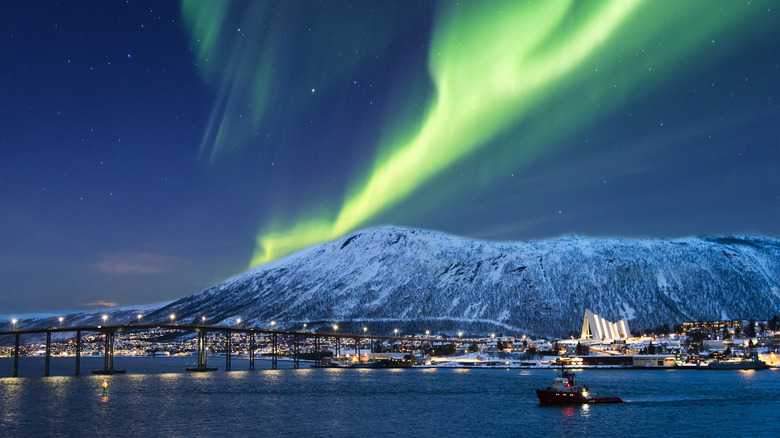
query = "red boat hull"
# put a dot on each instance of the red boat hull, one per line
(550, 397)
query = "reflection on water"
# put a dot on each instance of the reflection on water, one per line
(747, 374)
(433, 402)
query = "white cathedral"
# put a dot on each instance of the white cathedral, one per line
(597, 328)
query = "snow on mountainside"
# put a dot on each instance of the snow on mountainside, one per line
(417, 280)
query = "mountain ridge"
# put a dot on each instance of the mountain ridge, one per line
(416, 280)
(420, 280)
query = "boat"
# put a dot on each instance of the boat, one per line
(374, 363)
(380, 363)
(201, 369)
(109, 371)
(750, 362)
(565, 390)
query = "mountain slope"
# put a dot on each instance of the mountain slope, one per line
(415, 280)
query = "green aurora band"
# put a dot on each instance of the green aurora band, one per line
(494, 68)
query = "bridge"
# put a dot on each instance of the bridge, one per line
(203, 330)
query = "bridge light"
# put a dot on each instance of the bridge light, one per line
(105, 318)
(238, 321)
(203, 319)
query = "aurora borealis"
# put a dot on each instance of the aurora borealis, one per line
(257, 129)
(489, 67)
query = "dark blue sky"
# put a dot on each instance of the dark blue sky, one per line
(150, 149)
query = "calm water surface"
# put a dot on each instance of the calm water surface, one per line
(164, 401)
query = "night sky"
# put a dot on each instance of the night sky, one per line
(154, 148)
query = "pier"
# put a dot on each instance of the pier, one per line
(109, 333)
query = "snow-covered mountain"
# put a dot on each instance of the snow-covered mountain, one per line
(414, 280)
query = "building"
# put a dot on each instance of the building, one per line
(714, 325)
(653, 361)
(598, 328)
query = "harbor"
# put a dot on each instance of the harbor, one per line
(214, 348)
(157, 398)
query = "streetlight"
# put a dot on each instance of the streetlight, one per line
(338, 352)
(273, 323)
(365, 329)
(203, 319)
(61, 318)
(395, 331)
(139, 318)
(304, 326)
(460, 334)
(492, 336)
(13, 322)
(238, 321)
(173, 316)
(105, 318)
(427, 333)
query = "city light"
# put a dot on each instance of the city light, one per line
(136, 344)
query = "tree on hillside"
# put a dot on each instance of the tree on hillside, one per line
(697, 336)
(750, 330)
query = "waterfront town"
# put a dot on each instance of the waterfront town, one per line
(734, 344)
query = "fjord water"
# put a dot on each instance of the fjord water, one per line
(165, 401)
